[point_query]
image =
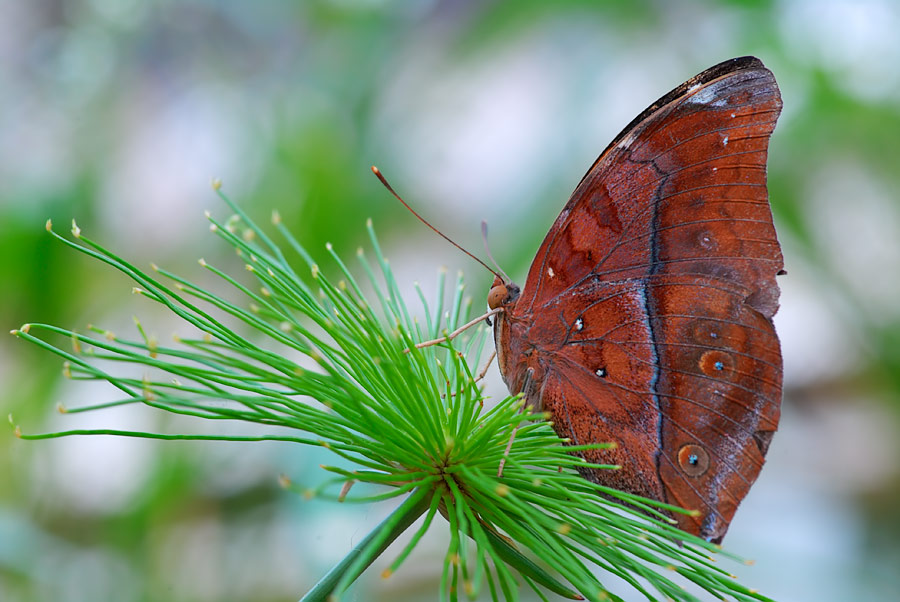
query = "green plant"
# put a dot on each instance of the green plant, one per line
(342, 372)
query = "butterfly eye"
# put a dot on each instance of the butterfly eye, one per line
(693, 459)
(497, 295)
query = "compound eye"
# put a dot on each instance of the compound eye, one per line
(497, 295)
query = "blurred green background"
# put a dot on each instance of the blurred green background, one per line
(118, 113)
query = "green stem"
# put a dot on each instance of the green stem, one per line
(527, 568)
(372, 546)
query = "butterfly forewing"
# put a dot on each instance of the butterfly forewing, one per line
(683, 190)
(646, 315)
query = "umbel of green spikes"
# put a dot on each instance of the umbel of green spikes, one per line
(412, 422)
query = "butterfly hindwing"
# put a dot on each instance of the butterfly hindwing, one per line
(718, 386)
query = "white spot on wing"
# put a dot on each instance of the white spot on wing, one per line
(725, 140)
(625, 142)
(708, 96)
(550, 272)
(579, 324)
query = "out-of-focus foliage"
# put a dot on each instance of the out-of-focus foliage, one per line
(118, 113)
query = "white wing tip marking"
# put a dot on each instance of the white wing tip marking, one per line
(625, 142)
(707, 96)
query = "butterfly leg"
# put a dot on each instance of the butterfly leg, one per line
(346, 489)
(486, 366)
(482, 373)
(456, 332)
(512, 437)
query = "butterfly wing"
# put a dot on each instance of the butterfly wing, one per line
(681, 190)
(679, 371)
(651, 299)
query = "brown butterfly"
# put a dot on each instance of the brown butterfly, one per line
(646, 317)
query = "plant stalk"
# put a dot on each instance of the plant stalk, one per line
(371, 546)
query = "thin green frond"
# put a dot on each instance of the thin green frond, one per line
(333, 359)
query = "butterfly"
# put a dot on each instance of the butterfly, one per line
(646, 316)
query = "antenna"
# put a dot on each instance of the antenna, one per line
(377, 173)
(487, 249)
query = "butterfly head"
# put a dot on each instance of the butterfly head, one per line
(502, 293)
